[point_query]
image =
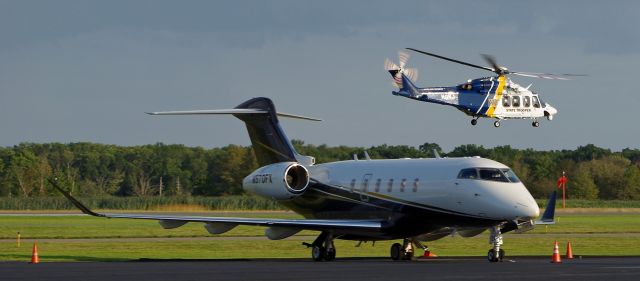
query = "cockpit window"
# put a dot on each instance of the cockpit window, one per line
(510, 175)
(536, 103)
(492, 175)
(468, 174)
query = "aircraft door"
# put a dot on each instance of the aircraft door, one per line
(366, 179)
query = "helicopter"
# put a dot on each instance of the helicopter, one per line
(489, 97)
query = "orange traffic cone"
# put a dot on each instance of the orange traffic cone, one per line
(555, 258)
(569, 252)
(34, 255)
(429, 254)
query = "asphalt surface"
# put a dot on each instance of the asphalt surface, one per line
(370, 269)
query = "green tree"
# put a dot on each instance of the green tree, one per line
(581, 184)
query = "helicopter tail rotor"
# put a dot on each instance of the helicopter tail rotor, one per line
(397, 70)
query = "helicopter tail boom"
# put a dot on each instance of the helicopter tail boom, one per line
(407, 88)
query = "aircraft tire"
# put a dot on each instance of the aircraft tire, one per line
(396, 251)
(496, 124)
(501, 255)
(330, 254)
(474, 122)
(318, 253)
(535, 124)
(491, 256)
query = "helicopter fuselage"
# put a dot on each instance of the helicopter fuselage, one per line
(492, 97)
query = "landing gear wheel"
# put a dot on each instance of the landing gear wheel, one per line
(491, 256)
(330, 255)
(396, 251)
(535, 124)
(318, 253)
(474, 122)
(496, 124)
(407, 256)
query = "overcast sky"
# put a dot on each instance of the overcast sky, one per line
(75, 71)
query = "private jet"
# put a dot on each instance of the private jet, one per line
(410, 200)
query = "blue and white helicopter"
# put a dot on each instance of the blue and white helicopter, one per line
(490, 97)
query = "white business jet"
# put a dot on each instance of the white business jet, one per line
(412, 200)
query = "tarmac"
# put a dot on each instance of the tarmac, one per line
(370, 269)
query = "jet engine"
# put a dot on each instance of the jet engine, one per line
(280, 181)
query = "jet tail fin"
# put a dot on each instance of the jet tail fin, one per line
(549, 211)
(270, 143)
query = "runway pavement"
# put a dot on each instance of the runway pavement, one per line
(370, 269)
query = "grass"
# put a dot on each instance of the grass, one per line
(590, 234)
(456, 246)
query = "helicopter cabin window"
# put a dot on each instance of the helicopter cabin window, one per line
(403, 184)
(515, 101)
(526, 101)
(536, 102)
(468, 174)
(506, 101)
(390, 185)
(492, 175)
(378, 185)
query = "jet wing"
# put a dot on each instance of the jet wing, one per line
(218, 225)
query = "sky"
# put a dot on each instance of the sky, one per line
(75, 71)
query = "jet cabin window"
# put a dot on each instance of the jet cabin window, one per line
(490, 174)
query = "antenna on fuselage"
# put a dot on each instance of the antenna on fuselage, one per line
(366, 155)
(435, 152)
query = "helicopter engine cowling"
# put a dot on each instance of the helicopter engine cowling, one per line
(279, 181)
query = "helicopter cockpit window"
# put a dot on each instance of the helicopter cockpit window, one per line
(536, 102)
(466, 87)
(492, 175)
(506, 101)
(515, 101)
(526, 101)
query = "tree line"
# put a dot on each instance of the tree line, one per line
(90, 169)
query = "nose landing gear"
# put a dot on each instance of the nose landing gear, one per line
(496, 254)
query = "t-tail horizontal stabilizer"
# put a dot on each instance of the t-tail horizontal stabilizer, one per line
(232, 111)
(549, 211)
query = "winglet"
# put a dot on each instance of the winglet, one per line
(549, 211)
(75, 202)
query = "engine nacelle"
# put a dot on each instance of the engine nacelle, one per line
(280, 181)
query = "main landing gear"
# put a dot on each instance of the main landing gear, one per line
(405, 251)
(496, 124)
(496, 254)
(322, 248)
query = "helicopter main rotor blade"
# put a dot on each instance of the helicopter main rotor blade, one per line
(562, 76)
(492, 61)
(452, 60)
